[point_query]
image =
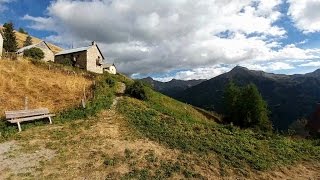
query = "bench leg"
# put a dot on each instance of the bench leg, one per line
(19, 127)
(50, 120)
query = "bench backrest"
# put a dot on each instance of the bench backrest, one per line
(26, 113)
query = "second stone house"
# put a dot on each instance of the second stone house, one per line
(89, 58)
(48, 54)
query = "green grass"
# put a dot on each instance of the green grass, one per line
(178, 125)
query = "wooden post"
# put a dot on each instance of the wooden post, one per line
(83, 102)
(26, 103)
(19, 127)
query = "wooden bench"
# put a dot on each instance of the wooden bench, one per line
(27, 115)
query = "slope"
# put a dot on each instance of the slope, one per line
(289, 97)
(56, 89)
(159, 138)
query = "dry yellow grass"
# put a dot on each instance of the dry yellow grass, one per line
(44, 88)
(22, 37)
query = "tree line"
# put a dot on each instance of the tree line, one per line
(10, 43)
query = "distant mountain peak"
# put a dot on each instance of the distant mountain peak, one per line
(240, 68)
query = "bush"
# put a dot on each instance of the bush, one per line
(34, 53)
(137, 90)
(111, 82)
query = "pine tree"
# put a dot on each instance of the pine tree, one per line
(10, 42)
(28, 41)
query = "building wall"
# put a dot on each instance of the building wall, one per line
(48, 54)
(1, 45)
(92, 56)
(81, 59)
(111, 70)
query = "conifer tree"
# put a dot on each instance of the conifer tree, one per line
(28, 41)
(10, 42)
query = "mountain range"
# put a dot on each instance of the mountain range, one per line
(173, 87)
(289, 97)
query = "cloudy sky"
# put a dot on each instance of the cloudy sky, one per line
(181, 39)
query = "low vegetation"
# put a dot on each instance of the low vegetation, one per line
(137, 90)
(178, 125)
(34, 53)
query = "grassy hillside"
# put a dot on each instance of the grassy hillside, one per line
(54, 88)
(22, 37)
(178, 125)
(119, 137)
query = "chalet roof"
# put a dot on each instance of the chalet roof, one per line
(70, 51)
(107, 65)
(31, 46)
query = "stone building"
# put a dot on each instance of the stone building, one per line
(48, 54)
(89, 58)
(110, 68)
(1, 45)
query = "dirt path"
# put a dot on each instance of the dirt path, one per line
(16, 159)
(120, 92)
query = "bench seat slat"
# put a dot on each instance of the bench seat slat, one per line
(25, 113)
(31, 118)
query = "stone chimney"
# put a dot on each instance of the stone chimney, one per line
(93, 43)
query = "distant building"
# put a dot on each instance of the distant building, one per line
(1, 45)
(314, 122)
(89, 58)
(110, 68)
(48, 54)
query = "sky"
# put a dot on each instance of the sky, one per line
(180, 39)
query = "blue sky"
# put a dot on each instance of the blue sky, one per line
(180, 39)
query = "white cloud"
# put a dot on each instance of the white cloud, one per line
(305, 14)
(311, 64)
(197, 73)
(143, 36)
(279, 66)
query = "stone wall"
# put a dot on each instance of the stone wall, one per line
(48, 54)
(80, 57)
(92, 57)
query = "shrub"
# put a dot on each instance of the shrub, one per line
(66, 62)
(137, 90)
(34, 53)
(111, 82)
